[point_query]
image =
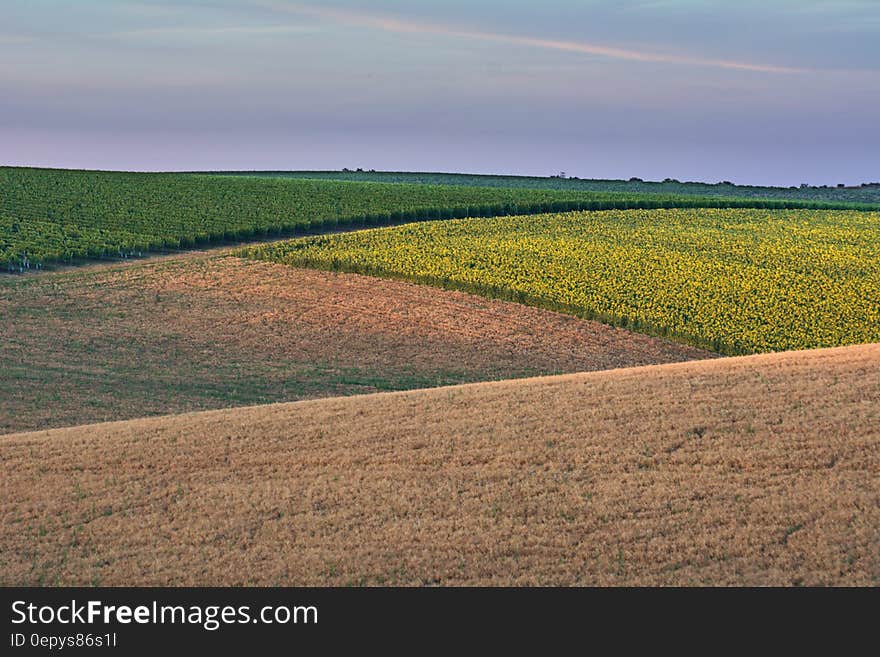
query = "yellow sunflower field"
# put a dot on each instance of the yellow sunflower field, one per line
(733, 280)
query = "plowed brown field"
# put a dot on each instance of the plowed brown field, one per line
(754, 470)
(201, 332)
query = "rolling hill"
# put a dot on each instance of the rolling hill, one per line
(203, 331)
(750, 470)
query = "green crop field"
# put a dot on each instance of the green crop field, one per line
(51, 215)
(56, 215)
(866, 193)
(733, 280)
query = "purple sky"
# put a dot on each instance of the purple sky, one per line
(772, 92)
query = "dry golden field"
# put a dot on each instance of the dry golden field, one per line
(752, 470)
(202, 331)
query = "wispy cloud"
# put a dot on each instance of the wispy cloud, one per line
(393, 24)
(15, 38)
(211, 32)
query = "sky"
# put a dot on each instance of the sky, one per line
(777, 92)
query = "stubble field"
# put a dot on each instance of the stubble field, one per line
(198, 332)
(752, 470)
